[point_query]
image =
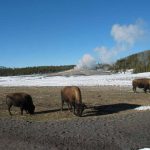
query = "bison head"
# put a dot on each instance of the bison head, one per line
(31, 109)
(80, 108)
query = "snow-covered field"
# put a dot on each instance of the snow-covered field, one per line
(120, 79)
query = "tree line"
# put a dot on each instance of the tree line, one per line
(139, 62)
(33, 70)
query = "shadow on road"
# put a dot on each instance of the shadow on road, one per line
(109, 109)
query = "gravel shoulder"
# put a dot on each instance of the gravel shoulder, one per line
(124, 132)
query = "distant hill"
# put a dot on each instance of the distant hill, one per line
(2, 67)
(81, 72)
(33, 70)
(139, 62)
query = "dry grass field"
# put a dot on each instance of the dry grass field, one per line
(105, 100)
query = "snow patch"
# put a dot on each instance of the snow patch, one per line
(143, 108)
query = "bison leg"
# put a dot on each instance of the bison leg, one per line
(74, 108)
(9, 109)
(145, 90)
(134, 89)
(26, 112)
(62, 104)
(70, 107)
(21, 110)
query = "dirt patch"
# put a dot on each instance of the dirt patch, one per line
(100, 100)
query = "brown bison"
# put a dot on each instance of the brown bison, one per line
(72, 96)
(22, 100)
(143, 83)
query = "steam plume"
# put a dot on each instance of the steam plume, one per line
(87, 62)
(124, 37)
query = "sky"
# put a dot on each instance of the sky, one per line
(66, 32)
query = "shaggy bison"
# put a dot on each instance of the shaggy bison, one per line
(143, 83)
(22, 100)
(72, 96)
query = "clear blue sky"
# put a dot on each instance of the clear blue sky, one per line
(60, 32)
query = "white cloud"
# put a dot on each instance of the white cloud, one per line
(127, 34)
(87, 62)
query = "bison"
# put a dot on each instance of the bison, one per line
(143, 83)
(22, 100)
(72, 96)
